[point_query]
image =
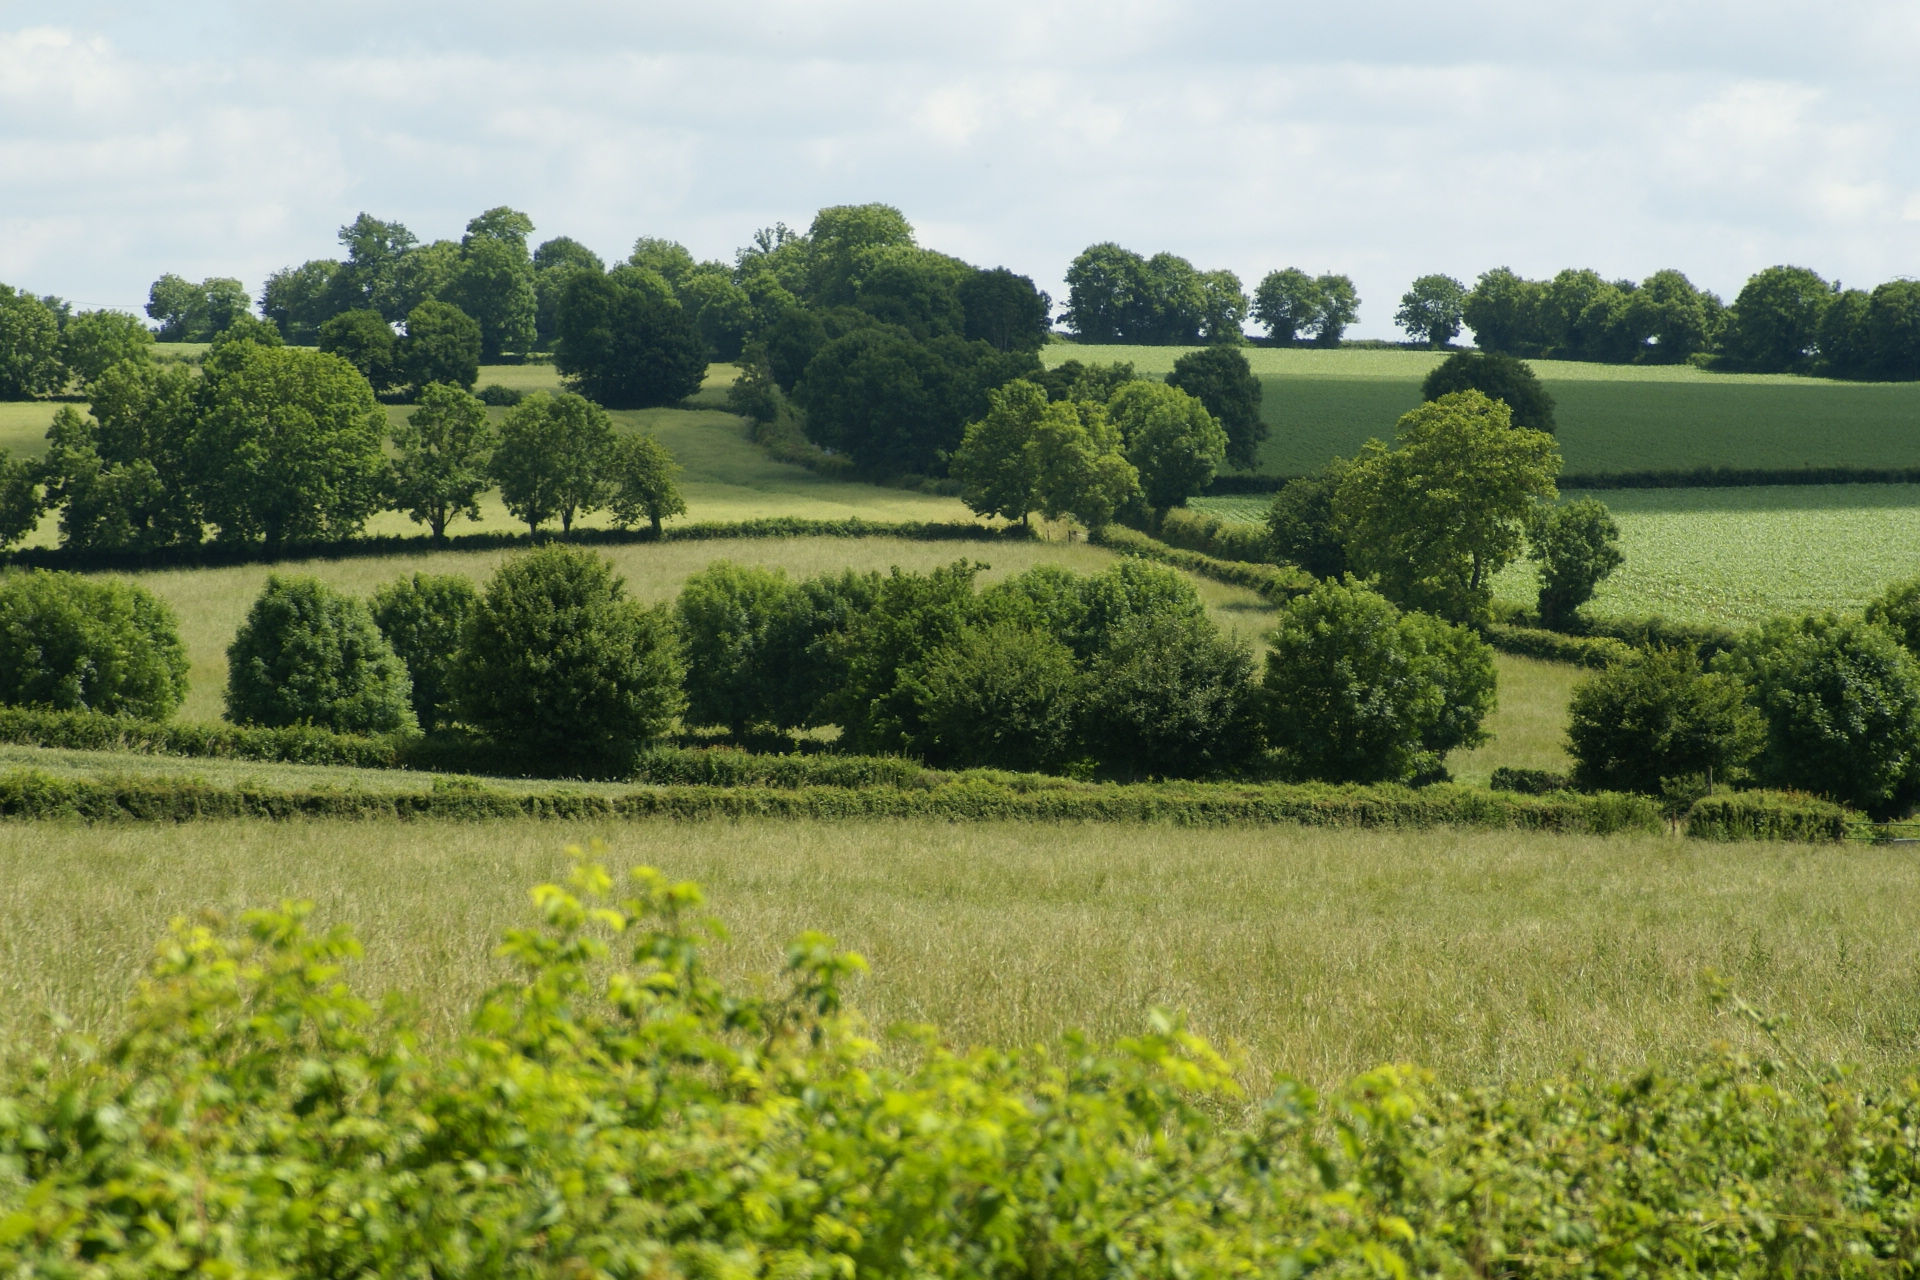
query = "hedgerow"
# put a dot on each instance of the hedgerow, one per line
(1276, 582)
(1768, 815)
(615, 1110)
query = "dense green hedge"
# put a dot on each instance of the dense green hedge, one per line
(1688, 478)
(1233, 540)
(1276, 582)
(1647, 633)
(1768, 815)
(614, 1109)
(1555, 646)
(33, 795)
(91, 731)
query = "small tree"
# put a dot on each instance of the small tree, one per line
(442, 345)
(1577, 546)
(1438, 516)
(1841, 703)
(1498, 377)
(1898, 610)
(1302, 526)
(89, 644)
(1171, 697)
(442, 468)
(1220, 378)
(641, 472)
(94, 341)
(728, 615)
(308, 655)
(1171, 438)
(1659, 717)
(1339, 307)
(29, 347)
(1430, 311)
(995, 462)
(364, 340)
(1359, 692)
(552, 459)
(998, 696)
(1078, 469)
(424, 617)
(1288, 303)
(560, 664)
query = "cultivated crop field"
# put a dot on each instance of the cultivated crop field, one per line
(1486, 956)
(1320, 404)
(1734, 555)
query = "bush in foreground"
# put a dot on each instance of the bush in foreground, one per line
(615, 1086)
(558, 663)
(85, 644)
(307, 655)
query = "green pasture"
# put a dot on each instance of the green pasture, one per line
(1484, 955)
(1322, 404)
(1734, 555)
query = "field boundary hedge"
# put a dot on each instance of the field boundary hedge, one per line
(1684, 478)
(33, 794)
(207, 555)
(1769, 815)
(1275, 582)
(1556, 646)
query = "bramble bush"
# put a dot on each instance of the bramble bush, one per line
(616, 1110)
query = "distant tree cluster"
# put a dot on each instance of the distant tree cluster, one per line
(1115, 295)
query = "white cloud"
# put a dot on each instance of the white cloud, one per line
(1386, 140)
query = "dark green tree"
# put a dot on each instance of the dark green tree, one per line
(915, 289)
(1171, 697)
(308, 655)
(1359, 692)
(1339, 308)
(127, 478)
(1431, 310)
(552, 459)
(298, 300)
(1287, 303)
(1774, 325)
(730, 617)
(1898, 610)
(424, 618)
(910, 615)
(188, 312)
(95, 341)
(1220, 378)
(721, 310)
(287, 445)
(1846, 342)
(1302, 526)
(494, 282)
(1005, 310)
(560, 665)
(1657, 717)
(364, 340)
(640, 473)
(370, 275)
(1671, 321)
(838, 243)
(999, 696)
(1893, 329)
(1172, 440)
(442, 345)
(1109, 294)
(440, 469)
(1841, 703)
(624, 344)
(1498, 377)
(89, 644)
(1576, 546)
(29, 347)
(554, 263)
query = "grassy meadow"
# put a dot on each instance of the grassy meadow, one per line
(1320, 404)
(1483, 955)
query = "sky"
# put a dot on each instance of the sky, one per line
(1386, 140)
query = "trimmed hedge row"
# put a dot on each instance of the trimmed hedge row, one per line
(1768, 815)
(1694, 478)
(1647, 633)
(91, 731)
(1276, 582)
(216, 554)
(1232, 540)
(30, 794)
(1555, 646)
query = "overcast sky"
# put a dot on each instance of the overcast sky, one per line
(1384, 140)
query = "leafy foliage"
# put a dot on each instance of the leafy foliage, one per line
(86, 644)
(640, 472)
(1170, 697)
(365, 340)
(1220, 378)
(442, 345)
(1291, 303)
(424, 618)
(999, 694)
(625, 343)
(1657, 717)
(443, 450)
(1577, 546)
(552, 459)
(1115, 295)
(558, 662)
(307, 655)
(94, 341)
(1498, 377)
(1431, 310)
(1303, 527)
(29, 347)
(1172, 440)
(728, 616)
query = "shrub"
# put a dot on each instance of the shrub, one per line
(1302, 528)
(1898, 610)
(80, 644)
(1002, 696)
(1841, 702)
(1234, 540)
(502, 397)
(308, 655)
(1658, 716)
(1767, 815)
(1577, 546)
(1529, 782)
(558, 662)
(726, 615)
(1553, 646)
(423, 618)
(1359, 692)
(910, 616)
(1171, 697)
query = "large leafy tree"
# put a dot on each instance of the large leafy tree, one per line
(1671, 320)
(442, 345)
(1287, 303)
(1339, 308)
(554, 263)
(287, 446)
(1430, 310)
(625, 341)
(298, 300)
(553, 458)
(1220, 378)
(1005, 310)
(1498, 377)
(95, 341)
(370, 275)
(494, 282)
(441, 468)
(1172, 440)
(1079, 469)
(995, 462)
(365, 340)
(29, 347)
(838, 243)
(188, 312)
(127, 478)
(1436, 517)
(1503, 310)
(424, 617)
(1658, 717)
(1773, 326)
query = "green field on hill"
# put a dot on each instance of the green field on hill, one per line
(1612, 418)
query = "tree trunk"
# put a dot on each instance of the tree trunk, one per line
(656, 528)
